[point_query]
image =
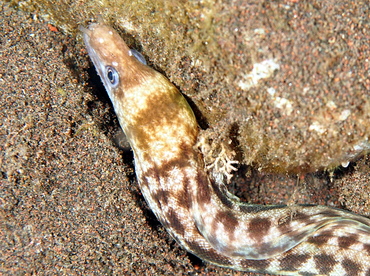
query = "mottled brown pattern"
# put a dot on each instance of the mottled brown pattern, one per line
(209, 254)
(174, 222)
(256, 264)
(140, 75)
(367, 248)
(324, 262)
(225, 201)
(183, 198)
(162, 196)
(284, 224)
(346, 242)
(301, 217)
(292, 262)
(160, 111)
(228, 219)
(258, 228)
(204, 191)
(351, 267)
(322, 239)
(167, 166)
(162, 131)
(151, 172)
(255, 209)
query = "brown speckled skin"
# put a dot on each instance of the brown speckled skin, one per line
(162, 131)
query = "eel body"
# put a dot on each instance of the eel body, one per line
(195, 209)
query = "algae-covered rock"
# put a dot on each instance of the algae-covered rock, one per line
(288, 83)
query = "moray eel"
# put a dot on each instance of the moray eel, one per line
(196, 209)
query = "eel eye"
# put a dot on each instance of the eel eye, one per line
(112, 75)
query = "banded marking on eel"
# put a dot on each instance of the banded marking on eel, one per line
(195, 209)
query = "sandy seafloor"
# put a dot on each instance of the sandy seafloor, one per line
(69, 201)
